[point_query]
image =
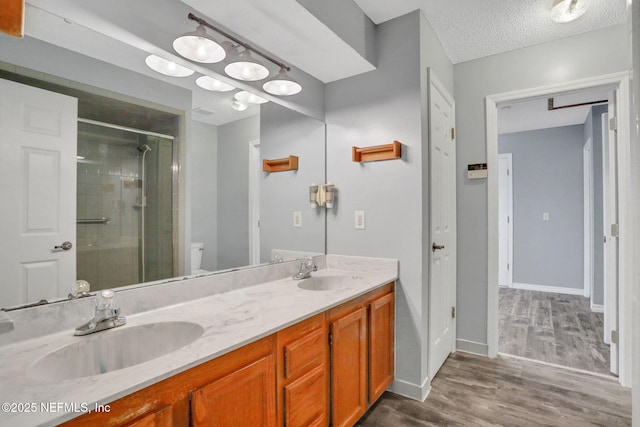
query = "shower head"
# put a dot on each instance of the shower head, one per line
(143, 148)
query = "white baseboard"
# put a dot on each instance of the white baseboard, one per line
(597, 308)
(410, 390)
(472, 347)
(550, 289)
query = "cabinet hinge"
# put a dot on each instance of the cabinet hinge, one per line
(453, 134)
(453, 312)
(614, 337)
(613, 123)
(330, 338)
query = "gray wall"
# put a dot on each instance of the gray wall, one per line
(233, 191)
(284, 132)
(568, 59)
(203, 158)
(547, 177)
(593, 129)
(372, 109)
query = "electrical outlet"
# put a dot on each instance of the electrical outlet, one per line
(360, 222)
(297, 219)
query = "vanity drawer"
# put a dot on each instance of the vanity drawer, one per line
(304, 353)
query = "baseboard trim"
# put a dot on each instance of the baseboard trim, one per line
(597, 308)
(411, 390)
(550, 289)
(472, 347)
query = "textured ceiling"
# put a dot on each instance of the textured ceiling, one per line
(471, 29)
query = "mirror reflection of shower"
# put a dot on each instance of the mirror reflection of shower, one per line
(144, 149)
(127, 176)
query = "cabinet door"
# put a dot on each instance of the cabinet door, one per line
(163, 417)
(381, 342)
(349, 368)
(244, 397)
(304, 404)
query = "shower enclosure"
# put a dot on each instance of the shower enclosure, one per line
(125, 209)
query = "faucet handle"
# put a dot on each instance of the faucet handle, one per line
(105, 299)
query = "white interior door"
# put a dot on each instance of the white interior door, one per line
(610, 216)
(38, 144)
(442, 215)
(505, 220)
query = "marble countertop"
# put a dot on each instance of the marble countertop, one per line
(230, 320)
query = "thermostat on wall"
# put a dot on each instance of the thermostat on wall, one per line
(477, 171)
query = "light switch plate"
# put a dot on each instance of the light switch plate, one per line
(297, 219)
(545, 216)
(360, 222)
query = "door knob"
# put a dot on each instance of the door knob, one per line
(65, 246)
(434, 247)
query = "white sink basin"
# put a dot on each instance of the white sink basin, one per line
(114, 349)
(328, 283)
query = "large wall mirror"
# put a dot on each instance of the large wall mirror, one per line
(158, 190)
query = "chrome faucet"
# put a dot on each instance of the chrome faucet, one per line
(305, 268)
(105, 316)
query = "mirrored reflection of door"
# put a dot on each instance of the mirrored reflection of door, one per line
(125, 214)
(37, 155)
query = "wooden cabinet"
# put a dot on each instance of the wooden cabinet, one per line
(246, 394)
(237, 386)
(381, 345)
(326, 369)
(303, 373)
(362, 357)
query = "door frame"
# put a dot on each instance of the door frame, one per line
(254, 201)
(619, 81)
(587, 186)
(509, 157)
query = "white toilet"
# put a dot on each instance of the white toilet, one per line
(196, 258)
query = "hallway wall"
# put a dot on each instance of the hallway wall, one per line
(550, 63)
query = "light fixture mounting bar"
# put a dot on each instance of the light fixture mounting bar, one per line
(201, 21)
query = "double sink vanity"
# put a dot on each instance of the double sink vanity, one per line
(254, 345)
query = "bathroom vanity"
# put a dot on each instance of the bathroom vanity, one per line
(278, 352)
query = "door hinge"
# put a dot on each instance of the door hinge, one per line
(508, 220)
(330, 338)
(614, 337)
(508, 266)
(453, 312)
(453, 134)
(508, 172)
(615, 230)
(613, 123)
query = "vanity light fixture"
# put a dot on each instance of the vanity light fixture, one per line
(563, 11)
(241, 65)
(249, 98)
(238, 106)
(214, 85)
(199, 46)
(247, 68)
(166, 67)
(282, 85)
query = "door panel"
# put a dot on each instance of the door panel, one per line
(442, 215)
(38, 147)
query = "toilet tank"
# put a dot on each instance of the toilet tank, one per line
(196, 255)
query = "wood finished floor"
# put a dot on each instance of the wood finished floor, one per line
(554, 328)
(471, 390)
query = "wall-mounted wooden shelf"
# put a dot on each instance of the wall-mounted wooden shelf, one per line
(377, 152)
(279, 165)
